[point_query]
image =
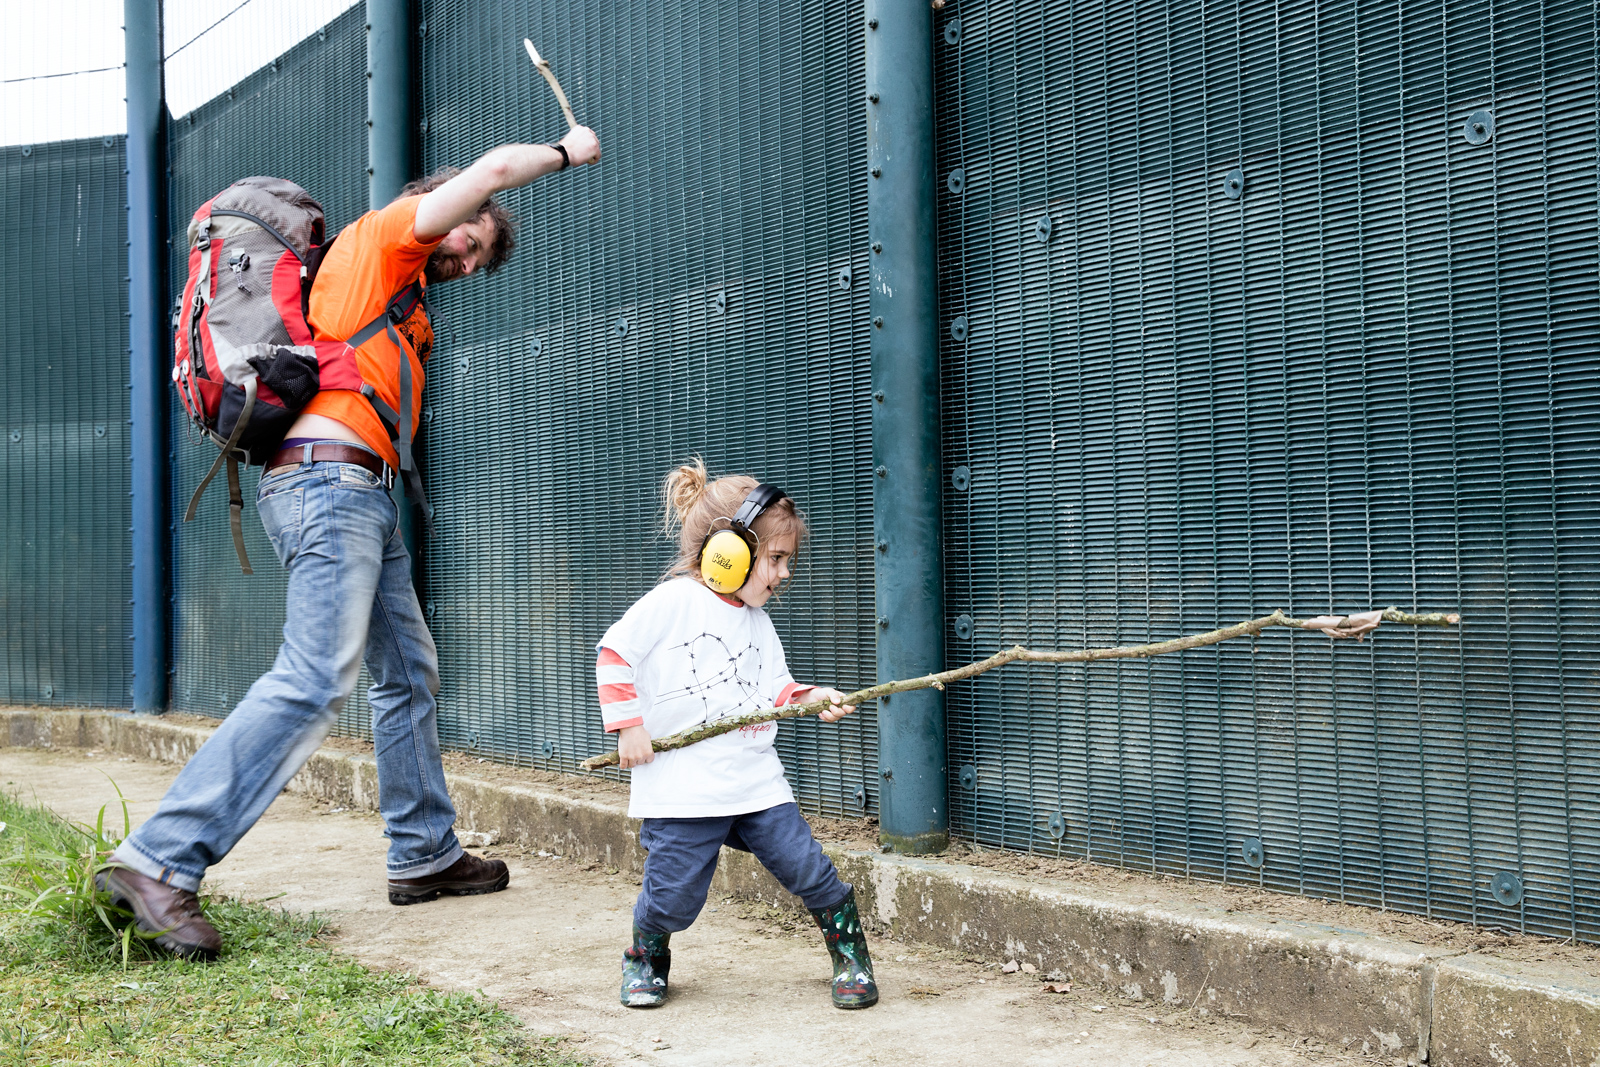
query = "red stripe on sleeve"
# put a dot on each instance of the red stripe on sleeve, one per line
(787, 696)
(609, 658)
(610, 694)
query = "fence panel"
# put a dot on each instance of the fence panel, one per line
(701, 291)
(65, 618)
(1256, 318)
(302, 117)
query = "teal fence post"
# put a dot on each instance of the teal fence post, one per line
(149, 357)
(913, 798)
(391, 152)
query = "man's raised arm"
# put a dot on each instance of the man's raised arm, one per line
(506, 167)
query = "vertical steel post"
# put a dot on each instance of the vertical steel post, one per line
(391, 151)
(913, 797)
(149, 357)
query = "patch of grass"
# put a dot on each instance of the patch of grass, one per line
(74, 988)
(50, 871)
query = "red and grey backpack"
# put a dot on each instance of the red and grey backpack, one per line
(245, 362)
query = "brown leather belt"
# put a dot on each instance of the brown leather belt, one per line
(332, 452)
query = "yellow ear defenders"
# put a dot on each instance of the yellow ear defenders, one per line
(726, 553)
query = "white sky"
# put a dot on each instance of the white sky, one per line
(39, 38)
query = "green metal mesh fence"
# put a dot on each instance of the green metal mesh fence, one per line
(1254, 315)
(301, 117)
(700, 291)
(1362, 380)
(64, 613)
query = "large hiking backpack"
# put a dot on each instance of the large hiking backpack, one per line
(245, 362)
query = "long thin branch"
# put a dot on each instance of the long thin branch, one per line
(1018, 654)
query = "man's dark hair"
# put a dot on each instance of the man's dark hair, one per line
(505, 237)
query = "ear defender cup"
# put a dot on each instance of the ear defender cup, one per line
(725, 561)
(726, 555)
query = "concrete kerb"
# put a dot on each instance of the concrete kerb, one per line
(1388, 998)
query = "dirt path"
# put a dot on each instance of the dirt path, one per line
(750, 986)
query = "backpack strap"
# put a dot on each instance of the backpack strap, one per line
(399, 423)
(236, 514)
(235, 494)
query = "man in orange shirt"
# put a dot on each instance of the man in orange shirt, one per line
(325, 504)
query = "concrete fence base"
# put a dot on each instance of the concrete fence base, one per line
(1384, 997)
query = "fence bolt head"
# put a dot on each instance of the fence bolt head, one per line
(1479, 127)
(1255, 854)
(1507, 888)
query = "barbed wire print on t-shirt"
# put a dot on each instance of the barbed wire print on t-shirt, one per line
(713, 666)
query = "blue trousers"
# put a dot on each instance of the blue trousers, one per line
(683, 856)
(336, 529)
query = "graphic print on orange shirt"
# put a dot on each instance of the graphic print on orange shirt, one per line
(373, 258)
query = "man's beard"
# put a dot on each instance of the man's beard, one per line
(441, 267)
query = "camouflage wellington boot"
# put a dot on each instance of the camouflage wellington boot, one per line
(853, 986)
(644, 970)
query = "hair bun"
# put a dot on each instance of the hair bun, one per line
(682, 489)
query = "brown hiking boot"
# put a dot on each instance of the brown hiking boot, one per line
(466, 877)
(172, 913)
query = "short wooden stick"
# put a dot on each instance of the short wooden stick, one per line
(543, 66)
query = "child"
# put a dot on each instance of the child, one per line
(694, 649)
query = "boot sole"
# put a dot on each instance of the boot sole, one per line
(644, 1000)
(422, 894)
(145, 925)
(856, 1007)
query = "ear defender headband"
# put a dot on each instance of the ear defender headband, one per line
(726, 554)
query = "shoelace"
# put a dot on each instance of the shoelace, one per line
(187, 904)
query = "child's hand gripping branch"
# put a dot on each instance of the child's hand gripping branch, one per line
(696, 649)
(633, 742)
(839, 709)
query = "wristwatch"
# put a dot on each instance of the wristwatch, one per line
(566, 160)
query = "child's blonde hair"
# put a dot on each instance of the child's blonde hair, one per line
(694, 504)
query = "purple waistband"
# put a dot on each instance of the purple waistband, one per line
(301, 442)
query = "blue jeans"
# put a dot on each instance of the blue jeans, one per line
(336, 529)
(683, 856)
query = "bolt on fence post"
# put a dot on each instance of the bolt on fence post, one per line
(391, 156)
(149, 356)
(913, 795)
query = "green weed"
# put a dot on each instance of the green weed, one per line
(50, 873)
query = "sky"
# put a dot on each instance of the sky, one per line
(61, 63)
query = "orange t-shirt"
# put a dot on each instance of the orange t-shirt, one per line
(375, 257)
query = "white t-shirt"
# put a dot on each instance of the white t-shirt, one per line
(682, 656)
